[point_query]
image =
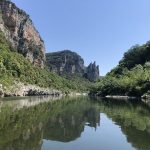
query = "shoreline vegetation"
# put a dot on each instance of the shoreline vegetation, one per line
(118, 97)
(130, 78)
(23, 69)
(19, 77)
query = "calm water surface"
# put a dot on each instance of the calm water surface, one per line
(80, 123)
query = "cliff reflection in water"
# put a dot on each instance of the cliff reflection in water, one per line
(64, 120)
(68, 125)
(54, 120)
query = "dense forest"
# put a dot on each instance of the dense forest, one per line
(131, 77)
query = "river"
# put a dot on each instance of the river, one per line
(77, 123)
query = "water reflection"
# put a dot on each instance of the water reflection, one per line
(26, 124)
(68, 124)
(18, 103)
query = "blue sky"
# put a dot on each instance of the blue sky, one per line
(99, 30)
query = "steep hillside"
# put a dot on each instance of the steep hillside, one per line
(22, 59)
(134, 56)
(14, 68)
(131, 77)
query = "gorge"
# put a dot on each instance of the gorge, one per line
(24, 62)
(53, 98)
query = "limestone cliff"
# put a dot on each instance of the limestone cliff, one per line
(70, 63)
(21, 33)
(23, 37)
(92, 72)
(65, 63)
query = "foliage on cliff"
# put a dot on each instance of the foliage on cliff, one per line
(131, 77)
(14, 67)
(20, 31)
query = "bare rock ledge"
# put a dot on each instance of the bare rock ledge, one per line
(20, 89)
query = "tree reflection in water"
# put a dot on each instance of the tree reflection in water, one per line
(64, 120)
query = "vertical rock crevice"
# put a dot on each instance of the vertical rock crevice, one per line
(92, 72)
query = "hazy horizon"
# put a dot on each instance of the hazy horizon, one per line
(97, 30)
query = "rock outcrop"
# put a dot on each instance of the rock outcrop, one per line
(20, 89)
(65, 63)
(21, 33)
(70, 63)
(92, 72)
(1, 90)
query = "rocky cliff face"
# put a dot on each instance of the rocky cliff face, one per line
(92, 72)
(70, 63)
(65, 63)
(21, 33)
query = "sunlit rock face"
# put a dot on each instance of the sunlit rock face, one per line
(65, 62)
(70, 63)
(21, 33)
(92, 72)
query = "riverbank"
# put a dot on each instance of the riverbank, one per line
(121, 97)
(21, 89)
(118, 97)
(128, 97)
(78, 94)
